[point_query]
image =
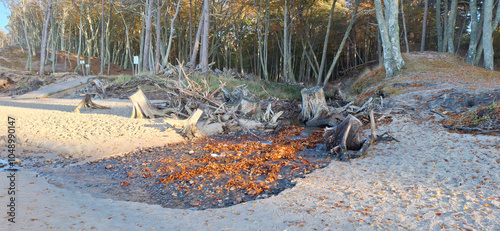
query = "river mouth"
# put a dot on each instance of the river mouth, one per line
(210, 172)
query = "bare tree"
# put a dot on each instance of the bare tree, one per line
(147, 39)
(205, 37)
(48, 11)
(450, 30)
(439, 27)
(389, 31)
(325, 44)
(488, 34)
(101, 71)
(474, 30)
(424, 26)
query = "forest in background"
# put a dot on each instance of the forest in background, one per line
(276, 40)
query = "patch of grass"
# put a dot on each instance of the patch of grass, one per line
(372, 78)
(277, 90)
(120, 79)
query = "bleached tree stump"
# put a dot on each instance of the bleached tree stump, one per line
(189, 130)
(141, 106)
(87, 102)
(315, 112)
(249, 107)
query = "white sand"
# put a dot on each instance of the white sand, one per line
(429, 180)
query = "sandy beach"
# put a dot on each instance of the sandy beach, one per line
(430, 180)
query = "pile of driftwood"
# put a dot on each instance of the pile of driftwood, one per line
(184, 102)
(345, 127)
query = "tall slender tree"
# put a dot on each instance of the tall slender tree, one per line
(48, 12)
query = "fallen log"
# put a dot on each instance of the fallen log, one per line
(345, 137)
(87, 102)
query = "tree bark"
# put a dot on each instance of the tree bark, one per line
(147, 39)
(101, 70)
(325, 44)
(404, 26)
(205, 37)
(439, 27)
(43, 46)
(172, 32)
(389, 59)
(158, 36)
(451, 26)
(488, 34)
(197, 38)
(474, 27)
(339, 51)
(424, 26)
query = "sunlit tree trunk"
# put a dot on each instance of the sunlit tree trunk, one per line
(205, 37)
(389, 32)
(147, 39)
(474, 28)
(325, 44)
(346, 35)
(101, 70)
(172, 32)
(48, 10)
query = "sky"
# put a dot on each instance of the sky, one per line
(3, 16)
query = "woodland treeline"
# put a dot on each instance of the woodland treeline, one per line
(277, 40)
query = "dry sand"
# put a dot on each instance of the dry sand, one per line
(430, 180)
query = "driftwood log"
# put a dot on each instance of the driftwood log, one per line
(345, 137)
(87, 102)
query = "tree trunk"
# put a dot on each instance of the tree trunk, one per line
(450, 32)
(325, 44)
(389, 60)
(392, 10)
(424, 26)
(158, 36)
(339, 51)
(172, 31)
(488, 34)
(147, 39)
(196, 44)
(43, 46)
(474, 27)
(101, 70)
(439, 27)
(205, 37)
(404, 27)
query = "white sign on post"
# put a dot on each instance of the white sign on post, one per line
(136, 59)
(87, 65)
(82, 61)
